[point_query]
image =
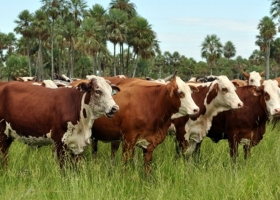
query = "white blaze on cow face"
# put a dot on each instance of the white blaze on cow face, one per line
(188, 106)
(255, 79)
(227, 98)
(101, 100)
(272, 97)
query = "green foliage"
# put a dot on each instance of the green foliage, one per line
(84, 66)
(35, 174)
(16, 65)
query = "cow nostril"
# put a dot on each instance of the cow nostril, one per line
(277, 110)
(115, 109)
(240, 105)
(195, 110)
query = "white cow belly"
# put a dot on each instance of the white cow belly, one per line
(30, 140)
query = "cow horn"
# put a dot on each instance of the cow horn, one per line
(168, 78)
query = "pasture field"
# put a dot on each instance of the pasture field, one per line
(35, 174)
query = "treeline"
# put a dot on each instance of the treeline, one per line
(69, 37)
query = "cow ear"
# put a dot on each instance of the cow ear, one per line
(115, 89)
(246, 75)
(170, 89)
(235, 83)
(193, 88)
(262, 73)
(83, 87)
(216, 87)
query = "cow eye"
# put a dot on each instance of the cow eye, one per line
(98, 92)
(181, 94)
(252, 80)
(265, 94)
(224, 90)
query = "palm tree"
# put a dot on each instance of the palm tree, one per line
(98, 13)
(256, 58)
(144, 39)
(267, 30)
(125, 6)
(275, 10)
(91, 39)
(76, 11)
(275, 54)
(129, 9)
(211, 50)
(240, 64)
(229, 50)
(53, 9)
(23, 27)
(116, 30)
(40, 27)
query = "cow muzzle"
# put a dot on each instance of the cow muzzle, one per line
(113, 111)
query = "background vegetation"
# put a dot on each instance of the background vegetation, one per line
(35, 174)
(70, 37)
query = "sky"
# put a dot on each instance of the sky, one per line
(180, 25)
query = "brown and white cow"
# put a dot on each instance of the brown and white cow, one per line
(212, 98)
(247, 125)
(146, 109)
(63, 116)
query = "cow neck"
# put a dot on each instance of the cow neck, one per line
(263, 106)
(198, 98)
(172, 101)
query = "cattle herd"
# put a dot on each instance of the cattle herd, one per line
(70, 113)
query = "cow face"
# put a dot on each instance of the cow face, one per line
(101, 101)
(226, 96)
(271, 93)
(253, 78)
(188, 106)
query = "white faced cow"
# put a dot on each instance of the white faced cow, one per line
(63, 116)
(212, 98)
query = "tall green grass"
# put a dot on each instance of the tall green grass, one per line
(35, 174)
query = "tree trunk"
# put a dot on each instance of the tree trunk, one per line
(267, 60)
(127, 60)
(52, 71)
(135, 65)
(114, 63)
(28, 55)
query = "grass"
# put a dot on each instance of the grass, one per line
(35, 174)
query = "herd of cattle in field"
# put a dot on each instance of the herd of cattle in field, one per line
(136, 112)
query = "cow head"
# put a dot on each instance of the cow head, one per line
(101, 101)
(183, 91)
(253, 78)
(222, 93)
(271, 94)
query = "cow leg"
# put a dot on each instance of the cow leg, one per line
(5, 143)
(188, 152)
(196, 152)
(94, 147)
(61, 153)
(247, 151)
(148, 155)
(128, 150)
(178, 148)
(114, 148)
(233, 145)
